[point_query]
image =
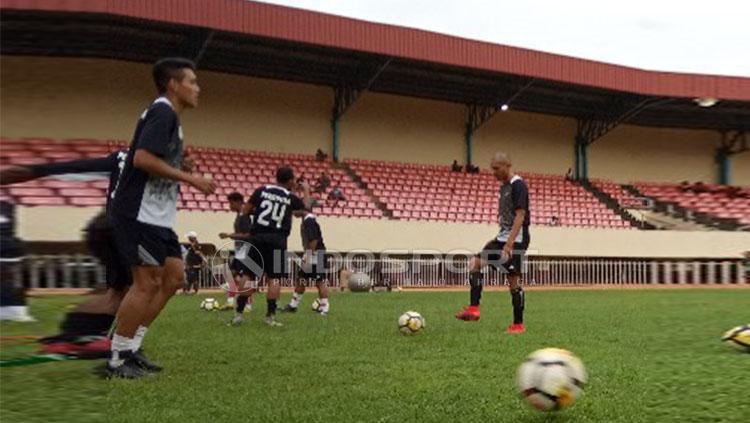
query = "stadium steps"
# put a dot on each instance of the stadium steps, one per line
(363, 186)
(669, 215)
(613, 205)
(664, 221)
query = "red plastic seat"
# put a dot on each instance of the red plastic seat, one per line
(41, 201)
(87, 201)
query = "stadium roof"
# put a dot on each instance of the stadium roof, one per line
(279, 42)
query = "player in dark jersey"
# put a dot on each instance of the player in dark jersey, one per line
(506, 252)
(272, 207)
(12, 294)
(242, 278)
(84, 329)
(144, 206)
(313, 265)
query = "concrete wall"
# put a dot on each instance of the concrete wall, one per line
(380, 235)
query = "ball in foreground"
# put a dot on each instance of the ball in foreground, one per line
(738, 338)
(551, 379)
(316, 305)
(209, 304)
(410, 322)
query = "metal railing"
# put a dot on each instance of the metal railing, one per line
(81, 271)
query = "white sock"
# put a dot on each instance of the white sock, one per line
(138, 338)
(323, 304)
(296, 299)
(230, 301)
(119, 344)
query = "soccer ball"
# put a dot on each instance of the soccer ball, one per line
(738, 338)
(316, 305)
(551, 379)
(209, 304)
(410, 322)
(359, 282)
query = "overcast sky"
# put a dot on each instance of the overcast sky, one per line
(694, 36)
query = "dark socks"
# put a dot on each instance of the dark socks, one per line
(87, 323)
(271, 310)
(475, 280)
(518, 300)
(241, 303)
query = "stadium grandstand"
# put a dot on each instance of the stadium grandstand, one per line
(392, 110)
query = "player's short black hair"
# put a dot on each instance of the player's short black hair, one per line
(284, 174)
(170, 68)
(236, 197)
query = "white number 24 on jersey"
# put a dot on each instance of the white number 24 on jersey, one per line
(276, 210)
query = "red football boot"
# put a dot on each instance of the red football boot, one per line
(469, 314)
(98, 348)
(516, 328)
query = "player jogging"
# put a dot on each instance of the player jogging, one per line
(144, 206)
(242, 230)
(313, 265)
(507, 250)
(272, 207)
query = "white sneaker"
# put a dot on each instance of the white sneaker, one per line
(271, 322)
(237, 320)
(16, 314)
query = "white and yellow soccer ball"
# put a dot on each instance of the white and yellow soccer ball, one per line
(551, 379)
(210, 304)
(316, 305)
(411, 322)
(738, 338)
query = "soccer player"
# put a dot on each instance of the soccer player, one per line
(144, 206)
(84, 329)
(507, 250)
(194, 260)
(242, 230)
(12, 295)
(313, 265)
(272, 207)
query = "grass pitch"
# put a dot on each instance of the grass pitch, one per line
(651, 355)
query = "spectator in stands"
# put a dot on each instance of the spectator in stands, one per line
(336, 195)
(324, 181)
(733, 192)
(685, 186)
(471, 168)
(194, 260)
(455, 167)
(700, 187)
(569, 174)
(554, 221)
(320, 155)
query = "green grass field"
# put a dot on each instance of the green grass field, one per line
(652, 356)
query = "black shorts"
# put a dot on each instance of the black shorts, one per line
(316, 269)
(238, 268)
(267, 255)
(492, 254)
(101, 244)
(191, 276)
(141, 244)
